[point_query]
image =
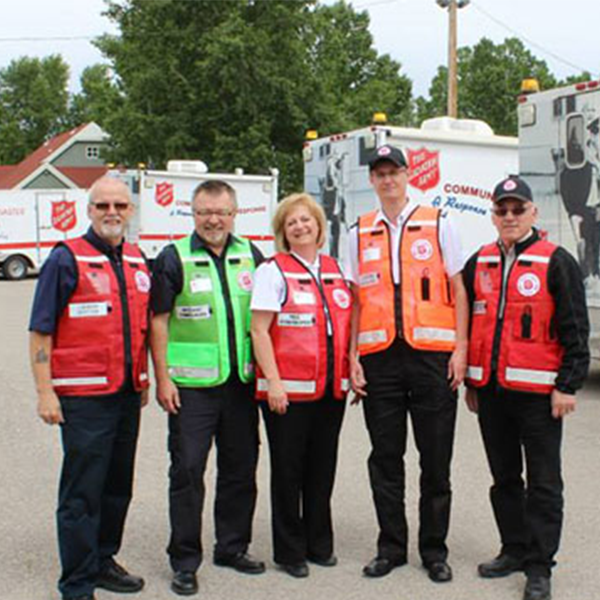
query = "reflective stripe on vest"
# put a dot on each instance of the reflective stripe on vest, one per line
(475, 373)
(72, 381)
(535, 376)
(290, 385)
(193, 373)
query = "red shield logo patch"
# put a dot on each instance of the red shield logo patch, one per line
(164, 193)
(423, 169)
(64, 216)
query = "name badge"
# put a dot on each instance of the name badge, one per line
(304, 298)
(368, 279)
(193, 312)
(370, 254)
(295, 319)
(88, 309)
(200, 284)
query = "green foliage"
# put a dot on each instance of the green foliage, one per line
(489, 82)
(33, 104)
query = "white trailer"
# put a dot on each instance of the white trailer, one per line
(453, 164)
(164, 204)
(33, 221)
(559, 156)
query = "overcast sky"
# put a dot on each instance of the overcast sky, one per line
(414, 32)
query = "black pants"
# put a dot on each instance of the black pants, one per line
(99, 438)
(402, 381)
(303, 445)
(227, 414)
(529, 518)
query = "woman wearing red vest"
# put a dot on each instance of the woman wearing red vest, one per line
(301, 308)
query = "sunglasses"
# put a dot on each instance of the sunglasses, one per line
(104, 206)
(517, 211)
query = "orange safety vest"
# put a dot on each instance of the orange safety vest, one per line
(529, 354)
(299, 331)
(88, 346)
(427, 299)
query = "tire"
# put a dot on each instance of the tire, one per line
(15, 268)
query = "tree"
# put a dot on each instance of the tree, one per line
(98, 100)
(489, 82)
(237, 83)
(33, 104)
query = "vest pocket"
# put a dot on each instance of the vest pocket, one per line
(193, 363)
(77, 368)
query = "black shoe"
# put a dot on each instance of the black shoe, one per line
(82, 597)
(184, 583)
(537, 588)
(501, 566)
(381, 566)
(298, 570)
(439, 571)
(115, 578)
(330, 561)
(242, 562)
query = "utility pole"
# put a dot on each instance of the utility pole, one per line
(452, 6)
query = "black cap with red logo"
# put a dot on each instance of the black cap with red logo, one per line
(387, 153)
(512, 188)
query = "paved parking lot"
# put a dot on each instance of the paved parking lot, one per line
(30, 461)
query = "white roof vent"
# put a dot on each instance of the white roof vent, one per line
(187, 166)
(449, 124)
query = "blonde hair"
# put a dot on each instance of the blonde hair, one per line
(285, 207)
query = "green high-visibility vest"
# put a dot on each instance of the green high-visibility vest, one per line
(198, 346)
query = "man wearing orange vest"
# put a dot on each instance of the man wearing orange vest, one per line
(89, 359)
(528, 355)
(408, 356)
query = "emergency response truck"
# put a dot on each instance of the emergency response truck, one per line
(559, 157)
(453, 164)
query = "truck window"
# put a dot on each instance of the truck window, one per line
(575, 141)
(366, 145)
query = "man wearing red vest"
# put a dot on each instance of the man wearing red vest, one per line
(410, 332)
(528, 355)
(89, 359)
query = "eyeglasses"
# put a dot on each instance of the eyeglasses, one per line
(104, 206)
(219, 212)
(517, 211)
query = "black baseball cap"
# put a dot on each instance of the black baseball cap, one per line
(512, 188)
(387, 153)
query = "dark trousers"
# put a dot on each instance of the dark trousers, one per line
(99, 438)
(402, 381)
(303, 445)
(227, 414)
(529, 518)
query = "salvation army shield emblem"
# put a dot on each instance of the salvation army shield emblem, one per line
(64, 215)
(423, 168)
(163, 194)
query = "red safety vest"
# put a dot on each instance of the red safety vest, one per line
(428, 315)
(299, 331)
(530, 354)
(88, 346)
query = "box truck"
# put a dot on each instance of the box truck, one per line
(559, 156)
(453, 164)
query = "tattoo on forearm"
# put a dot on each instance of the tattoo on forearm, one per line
(41, 356)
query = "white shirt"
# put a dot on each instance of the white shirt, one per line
(452, 253)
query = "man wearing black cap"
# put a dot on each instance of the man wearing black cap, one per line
(410, 331)
(522, 379)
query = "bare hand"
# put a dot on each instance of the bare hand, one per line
(277, 396)
(457, 367)
(472, 400)
(144, 396)
(167, 395)
(357, 380)
(49, 409)
(562, 404)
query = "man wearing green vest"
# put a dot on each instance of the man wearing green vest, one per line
(203, 364)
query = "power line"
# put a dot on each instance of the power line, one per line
(62, 38)
(527, 40)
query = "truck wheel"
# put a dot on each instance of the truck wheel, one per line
(15, 267)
